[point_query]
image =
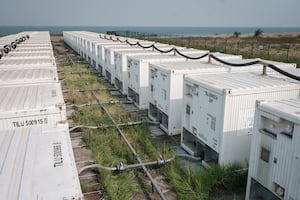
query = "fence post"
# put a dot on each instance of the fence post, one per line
(215, 44)
(252, 46)
(225, 48)
(269, 51)
(238, 47)
(287, 52)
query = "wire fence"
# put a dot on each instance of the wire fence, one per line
(280, 49)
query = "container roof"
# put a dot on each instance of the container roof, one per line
(188, 67)
(38, 164)
(137, 52)
(243, 82)
(27, 62)
(30, 97)
(28, 76)
(128, 49)
(29, 55)
(287, 108)
(119, 47)
(156, 58)
(21, 49)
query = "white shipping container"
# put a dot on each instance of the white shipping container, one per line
(25, 55)
(166, 90)
(27, 63)
(90, 49)
(31, 51)
(95, 56)
(101, 55)
(31, 105)
(138, 76)
(38, 164)
(219, 112)
(109, 59)
(121, 74)
(35, 45)
(34, 49)
(274, 160)
(28, 76)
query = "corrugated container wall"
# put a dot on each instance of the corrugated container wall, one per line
(275, 153)
(166, 90)
(28, 76)
(120, 57)
(138, 76)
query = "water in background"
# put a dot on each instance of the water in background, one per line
(6, 30)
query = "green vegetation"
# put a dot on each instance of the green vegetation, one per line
(258, 32)
(236, 34)
(104, 96)
(78, 98)
(91, 116)
(119, 114)
(202, 184)
(142, 141)
(109, 150)
(75, 84)
(84, 186)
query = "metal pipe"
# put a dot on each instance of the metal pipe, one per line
(84, 90)
(101, 126)
(89, 104)
(122, 167)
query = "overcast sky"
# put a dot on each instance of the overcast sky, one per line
(256, 13)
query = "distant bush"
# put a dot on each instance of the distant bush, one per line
(258, 32)
(236, 34)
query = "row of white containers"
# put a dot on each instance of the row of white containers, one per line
(36, 155)
(210, 104)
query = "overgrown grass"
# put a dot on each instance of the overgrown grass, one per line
(91, 116)
(83, 83)
(119, 114)
(84, 186)
(96, 84)
(78, 98)
(104, 96)
(109, 150)
(77, 84)
(91, 74)
(203, 184)
(68, 68)
(143, 143)
(71, 76)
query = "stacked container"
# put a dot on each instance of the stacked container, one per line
(121, 73)
(138, 76)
